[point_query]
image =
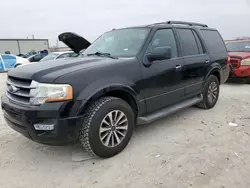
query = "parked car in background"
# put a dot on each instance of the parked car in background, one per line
(239, 52)
(8, 61)
(21, 55)
(36, 57)
(29, 54)
(59, 55)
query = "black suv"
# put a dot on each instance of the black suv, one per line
(126, 77)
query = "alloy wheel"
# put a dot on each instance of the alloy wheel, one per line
(212, 92)
(113, 128)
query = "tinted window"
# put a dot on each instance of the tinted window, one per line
(201, 48)
(213, 41)
(188, 42)
(63, 56)
(38, 57)
(73, 54)
(164, 38)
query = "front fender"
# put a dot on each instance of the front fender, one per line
(107, 84)
(100, 87)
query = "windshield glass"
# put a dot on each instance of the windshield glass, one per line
(119, 43)
(50, 56)
(238, 46)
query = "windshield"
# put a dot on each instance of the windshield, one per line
(238, 46)
(119, 43)
(50, 56)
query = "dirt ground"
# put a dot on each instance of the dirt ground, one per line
(192, 148)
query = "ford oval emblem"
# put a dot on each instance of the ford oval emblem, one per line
(13, 89)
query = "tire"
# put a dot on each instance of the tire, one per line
(93, 123)
(248, 80)
(212, 82)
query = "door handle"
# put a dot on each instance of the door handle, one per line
(206, 62)
(178, 67)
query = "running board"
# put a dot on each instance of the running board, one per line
(169, 110)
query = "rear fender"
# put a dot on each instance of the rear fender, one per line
(215, 68)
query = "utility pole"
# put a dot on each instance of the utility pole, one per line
(33, 36)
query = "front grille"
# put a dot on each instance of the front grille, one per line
(19, 90)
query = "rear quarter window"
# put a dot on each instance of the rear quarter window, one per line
(213, 41)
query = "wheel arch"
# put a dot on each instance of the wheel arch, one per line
(216, 72)
(125, 93)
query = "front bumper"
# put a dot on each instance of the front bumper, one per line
(23, 118)
(241, 72)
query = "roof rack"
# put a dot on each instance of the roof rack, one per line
(181, 23)
(186, 23)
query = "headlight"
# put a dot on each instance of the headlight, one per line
(245, 62)
(51, 93)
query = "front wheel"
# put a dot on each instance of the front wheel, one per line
(107, 127)
(210, 93)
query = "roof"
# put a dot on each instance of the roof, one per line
(191, 24)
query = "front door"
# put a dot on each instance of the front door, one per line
(162, 80)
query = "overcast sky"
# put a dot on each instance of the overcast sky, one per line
(48, 18)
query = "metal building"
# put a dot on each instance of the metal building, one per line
(22, 46)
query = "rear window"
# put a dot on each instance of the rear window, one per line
(238, 46)
(213, 41)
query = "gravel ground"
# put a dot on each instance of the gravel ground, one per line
(192, 148)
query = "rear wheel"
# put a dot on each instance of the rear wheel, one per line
(210, 93)
(107, 127)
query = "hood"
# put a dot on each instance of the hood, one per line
(243, 55)
(48, 71)
(74, 41)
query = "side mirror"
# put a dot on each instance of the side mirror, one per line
(160, 53)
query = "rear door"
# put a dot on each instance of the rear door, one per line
(196, 60)
(216, 47)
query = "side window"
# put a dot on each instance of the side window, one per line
(9, 61)
(198, 40)
(213, 41)
(37, 57)
(188, 42)
(63, 56)
(164, 37)
(73, 54)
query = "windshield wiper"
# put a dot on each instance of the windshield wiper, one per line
(103, 54)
